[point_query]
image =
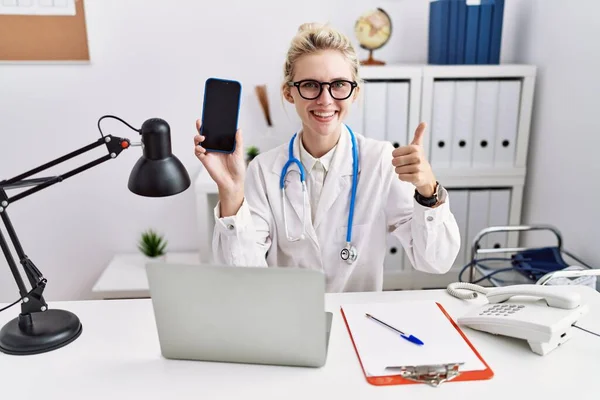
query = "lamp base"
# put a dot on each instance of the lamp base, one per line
(39, 332)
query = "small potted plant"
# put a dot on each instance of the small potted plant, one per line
(152, 245)
(251, 152)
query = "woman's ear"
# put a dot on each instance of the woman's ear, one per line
(355, 94)
(288, 95)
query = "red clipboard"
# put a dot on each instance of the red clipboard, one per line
(483, 374)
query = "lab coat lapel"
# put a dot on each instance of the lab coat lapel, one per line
(294, 197)
(339, 177)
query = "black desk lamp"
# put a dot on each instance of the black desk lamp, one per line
(157, 173)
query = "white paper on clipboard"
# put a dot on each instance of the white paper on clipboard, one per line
(381, 349)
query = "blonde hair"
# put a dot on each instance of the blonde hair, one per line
(312, 38)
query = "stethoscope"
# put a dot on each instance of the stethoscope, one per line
(348, 253)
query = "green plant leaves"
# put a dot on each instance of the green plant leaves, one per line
(152, 244)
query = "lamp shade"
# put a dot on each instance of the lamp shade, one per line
(158, 172)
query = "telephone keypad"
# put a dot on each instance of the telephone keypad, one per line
(502, 309)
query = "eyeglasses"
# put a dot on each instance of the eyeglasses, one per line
(310, 89)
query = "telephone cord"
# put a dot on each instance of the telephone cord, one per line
(457, 289)
(585, 330)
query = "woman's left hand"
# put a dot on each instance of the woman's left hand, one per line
(412, 166)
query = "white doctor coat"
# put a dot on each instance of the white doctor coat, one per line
(256, 237)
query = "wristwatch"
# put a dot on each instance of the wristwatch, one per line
(428, 201)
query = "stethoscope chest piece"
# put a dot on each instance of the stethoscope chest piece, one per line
(349, 253)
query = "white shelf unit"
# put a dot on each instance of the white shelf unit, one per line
(468, 103)
(465, 107)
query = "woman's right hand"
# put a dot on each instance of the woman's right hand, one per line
(227, 170)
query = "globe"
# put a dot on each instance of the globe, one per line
(373, 30)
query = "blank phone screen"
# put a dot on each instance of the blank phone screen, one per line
(220, 114)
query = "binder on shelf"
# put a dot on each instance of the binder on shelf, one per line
(441, 123)
(464, 117)
(499, 212)
(375, 110)
(460, 208)
(484, 131)
(438, 31)
(509, 94)
(486, 10)
(355, 116)
(496, 32)
(471, 32)
(397, 113)
(406, 263)
(446, 354)
(453, 32)
(395, 254)
(479, 209)
(461, 33)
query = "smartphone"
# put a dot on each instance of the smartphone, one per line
(220, 113)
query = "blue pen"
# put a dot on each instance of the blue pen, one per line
(410, 338)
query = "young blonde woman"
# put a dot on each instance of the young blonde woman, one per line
(343, 192)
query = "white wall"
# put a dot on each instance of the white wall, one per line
(150, 58)
(563, 186)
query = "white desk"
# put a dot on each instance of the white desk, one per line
(125, 276)
(118, 356)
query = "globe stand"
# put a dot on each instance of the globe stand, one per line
(371, 60)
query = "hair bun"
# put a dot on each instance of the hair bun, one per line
(310, 26)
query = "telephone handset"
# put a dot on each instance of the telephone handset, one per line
(568, 300)
(542, 315)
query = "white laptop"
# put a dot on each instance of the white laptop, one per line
(251, 315)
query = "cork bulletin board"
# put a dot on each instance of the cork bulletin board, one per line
(38, 30)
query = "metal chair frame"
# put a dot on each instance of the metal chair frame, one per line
(477, 250)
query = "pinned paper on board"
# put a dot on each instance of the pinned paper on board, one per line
(37, 7)
(43, 30)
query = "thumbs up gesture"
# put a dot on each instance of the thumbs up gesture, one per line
(411, 165)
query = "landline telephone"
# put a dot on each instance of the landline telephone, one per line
(542, 315)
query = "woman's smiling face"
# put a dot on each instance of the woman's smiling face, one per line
(323, 115)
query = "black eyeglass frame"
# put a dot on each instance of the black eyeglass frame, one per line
(353, 85)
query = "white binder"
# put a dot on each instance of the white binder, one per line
(459, 204)
(375, 110)
(508, 123)
(479, 205)
(395, 254)
(355, 116)
(499, 212)
(397, 113)
(464, 118)
(485, 123)
(406, 264)
(441, 124)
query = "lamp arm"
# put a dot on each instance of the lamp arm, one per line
(114, 145)
(33, 300)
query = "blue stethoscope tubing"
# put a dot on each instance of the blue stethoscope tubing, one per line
(348, 253)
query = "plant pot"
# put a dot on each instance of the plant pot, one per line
(148, 259)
